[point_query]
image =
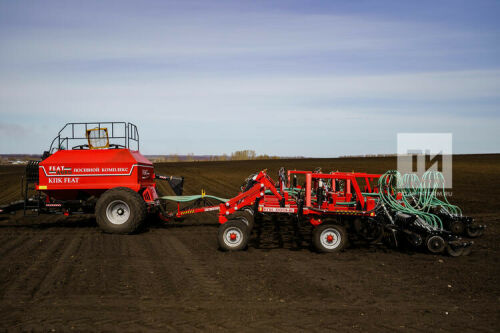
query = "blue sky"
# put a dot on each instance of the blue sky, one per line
(310, 78)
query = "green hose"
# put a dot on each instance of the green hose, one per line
(391, 183)
(419, 196)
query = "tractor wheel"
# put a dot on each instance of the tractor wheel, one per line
(472, 231)
(244, 216)
(329, 238)
(120, 211)
(435, 244)
(233, 235)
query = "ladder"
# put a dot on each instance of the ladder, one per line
(31, 205)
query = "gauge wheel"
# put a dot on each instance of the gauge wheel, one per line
(329, 238)
(233, 235)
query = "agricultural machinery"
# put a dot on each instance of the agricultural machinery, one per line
(94, 168)
(343, 204)
(97, 168)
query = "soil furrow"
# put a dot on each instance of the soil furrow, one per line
(60, 274)
(29, 278)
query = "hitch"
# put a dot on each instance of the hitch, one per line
(175, 182)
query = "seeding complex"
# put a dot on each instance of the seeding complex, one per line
(117, 183)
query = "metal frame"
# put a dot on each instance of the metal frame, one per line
(279, 201)
(130, 133)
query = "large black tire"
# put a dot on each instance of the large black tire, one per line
(233, 235)
(245, 216)
(329, 237)
(120, 211)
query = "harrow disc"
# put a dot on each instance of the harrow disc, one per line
(455, 251)
(473, 231)
(436, 244)
(467, 250)
(369, 229)
(414, 239)
(457, 227)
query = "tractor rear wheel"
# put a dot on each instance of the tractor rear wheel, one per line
(329, 238)
(120, 210)
(233, 235)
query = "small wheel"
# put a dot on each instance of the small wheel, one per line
(436, 244)
(329, 238)
(473, 231)
(454, 251)
(457, 227)
(120, 210)
(233, 235)
(245, 216)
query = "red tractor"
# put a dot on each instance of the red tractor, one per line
(94, 167)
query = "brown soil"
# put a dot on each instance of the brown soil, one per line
(63, 274)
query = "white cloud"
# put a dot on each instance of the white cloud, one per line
(432, 86)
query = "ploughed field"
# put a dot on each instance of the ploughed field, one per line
(59, 273)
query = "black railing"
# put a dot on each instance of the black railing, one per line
(120, 135)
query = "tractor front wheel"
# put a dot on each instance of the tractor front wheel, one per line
(120, 210)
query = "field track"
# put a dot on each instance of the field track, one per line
(63, 274)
